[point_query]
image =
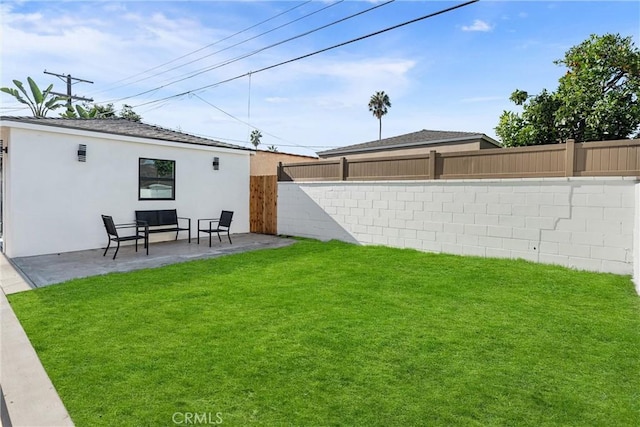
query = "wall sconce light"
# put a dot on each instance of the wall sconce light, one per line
(216, 163)
(82, 153)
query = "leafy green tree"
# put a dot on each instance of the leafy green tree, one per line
(127, 113)
(39, 102)
(379, 105)
(80, 112)
(89, 111)
(537, 123)
(254, 138)
(597, 98)
(272, 148)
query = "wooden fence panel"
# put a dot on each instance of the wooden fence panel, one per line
(621, 158)
(263, 208)
(503, 163)
(315, 171)
(615, 158)
(406, 167)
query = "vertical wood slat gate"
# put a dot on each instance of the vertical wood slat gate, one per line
(263, 208)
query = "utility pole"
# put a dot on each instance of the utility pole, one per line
(70, 97)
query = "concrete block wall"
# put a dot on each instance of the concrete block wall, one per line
(588, 223)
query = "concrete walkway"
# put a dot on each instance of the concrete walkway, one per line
(29, 397)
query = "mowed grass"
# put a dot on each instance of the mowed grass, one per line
(336, 334)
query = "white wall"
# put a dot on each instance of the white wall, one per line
(636, 241)
(585, 223)
(53, 202)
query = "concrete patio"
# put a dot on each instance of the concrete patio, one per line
(44, 270)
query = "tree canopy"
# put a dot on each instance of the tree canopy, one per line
(596, 99)
(90, 111)
(255, 137)
(379, 105)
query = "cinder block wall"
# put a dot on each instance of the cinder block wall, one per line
(585, 223)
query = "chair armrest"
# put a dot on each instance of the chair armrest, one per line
(188, 220)
(127, 225)
(211, 220)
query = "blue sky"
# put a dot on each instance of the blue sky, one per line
(454, 71)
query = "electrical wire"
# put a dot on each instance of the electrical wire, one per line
(197, 50)
(205, 69)
(247, 55)
(292, 144)
(357, 39)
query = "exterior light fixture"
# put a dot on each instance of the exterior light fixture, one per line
(82, 153)
(216, 163)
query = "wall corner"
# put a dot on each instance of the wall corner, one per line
(636, 239)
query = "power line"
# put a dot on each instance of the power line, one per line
(203, 70)
(238, 58)
(431, 15)
(198, 50)
(250, 125)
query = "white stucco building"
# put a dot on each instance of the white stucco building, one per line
(59, 176)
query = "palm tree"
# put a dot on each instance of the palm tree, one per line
(255, 137)
(378, 105)
(39, 102)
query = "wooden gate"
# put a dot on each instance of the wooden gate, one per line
(263, 206)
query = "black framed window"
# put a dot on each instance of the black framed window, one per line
(156, 179)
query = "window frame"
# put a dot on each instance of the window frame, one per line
(171, 180)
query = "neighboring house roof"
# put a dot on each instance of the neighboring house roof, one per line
(124, 127)
(414, 139)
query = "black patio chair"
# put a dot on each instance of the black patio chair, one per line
(112, 233)
(222, 224)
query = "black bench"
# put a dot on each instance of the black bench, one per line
(163, 221)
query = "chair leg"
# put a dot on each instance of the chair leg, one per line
(108, 244)
(219, 236)
(117, 249)
(210, 233)
(229, 236)
(136, 245)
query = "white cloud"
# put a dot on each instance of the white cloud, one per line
(478, 25)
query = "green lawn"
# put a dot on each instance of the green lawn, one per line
(336, 334)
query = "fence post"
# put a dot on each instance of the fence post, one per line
(570, 157)
(279, 171)
(343, 169)
(432, 164)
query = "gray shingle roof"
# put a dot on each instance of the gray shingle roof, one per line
(423, 137)
(124, 127)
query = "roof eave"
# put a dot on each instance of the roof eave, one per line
(479, 136)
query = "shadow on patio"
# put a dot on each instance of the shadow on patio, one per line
(43, 270)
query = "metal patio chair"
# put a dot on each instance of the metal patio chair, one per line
(141, 233)
(222, 224)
